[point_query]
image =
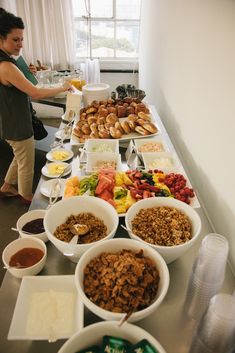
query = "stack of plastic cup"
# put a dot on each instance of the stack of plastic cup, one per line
(216, 330)
(207, 275)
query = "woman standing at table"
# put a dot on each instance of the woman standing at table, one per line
(15, 117)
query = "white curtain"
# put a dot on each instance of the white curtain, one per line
(49, 32)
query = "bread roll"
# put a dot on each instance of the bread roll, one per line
(132, 125)
(101, 120)
(91, 120)
(125, 126)
(141, 122)
(144, 116)
(91, 110)
(104, 134)
(86, 129)
(103, 112)
(115, 133)
(119, 127)
(150, 127)
(142, 131)
(111, 118)
(94, 135)
(121, 111)
(132, 117)
(77, 132)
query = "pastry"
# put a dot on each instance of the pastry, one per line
(142, 131)
(150, 127)
(144, 116)
(111, 118)
(115, 133)
(125, 126)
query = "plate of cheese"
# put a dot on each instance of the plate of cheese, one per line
(55, 169)
(60, 154)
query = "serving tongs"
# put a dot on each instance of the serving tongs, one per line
(56, 188)
(65, 130)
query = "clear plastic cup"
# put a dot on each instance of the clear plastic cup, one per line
(207, 274)
(216, 330)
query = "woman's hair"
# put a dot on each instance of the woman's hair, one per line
(8, 21)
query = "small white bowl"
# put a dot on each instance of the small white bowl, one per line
(169, 253)
(94, 158)
(113, 246)
(30, 216)
(17, 245)
(92, 144)
(93, 335)
(160, 160)
(61, 210)
(149, 142)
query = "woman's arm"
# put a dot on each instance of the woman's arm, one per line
(11, 75)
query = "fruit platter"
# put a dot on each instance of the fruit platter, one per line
(123, 188)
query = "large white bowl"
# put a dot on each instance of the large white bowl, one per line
(61, 210)
(95, 91)
(93, 335)
(30, 216)
(19, 244)
(113, 246)
(169, 253)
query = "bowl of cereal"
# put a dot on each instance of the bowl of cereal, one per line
(168, 225)
(86, 219)
(96, 335)
(122, 278)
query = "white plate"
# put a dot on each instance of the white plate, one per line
(61, 135)
(49, 155)
(45, 170)
(34, 284)
(46, 187)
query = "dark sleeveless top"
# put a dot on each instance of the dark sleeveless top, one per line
(15, 116)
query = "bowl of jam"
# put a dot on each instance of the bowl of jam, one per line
(25, 256)
(30, 224)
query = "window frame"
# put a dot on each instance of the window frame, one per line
(123, 63)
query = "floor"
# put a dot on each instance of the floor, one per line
(12, 208)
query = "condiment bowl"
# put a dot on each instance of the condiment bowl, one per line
(30, 216)
(169, 253)
(19, 244)
(113, 246)
(59, 212)
(93, 335)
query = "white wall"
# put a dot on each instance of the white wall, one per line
(187, 68)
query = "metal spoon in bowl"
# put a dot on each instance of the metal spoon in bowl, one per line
(23, 231)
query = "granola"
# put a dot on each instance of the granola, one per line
(121, 282)
(165, 226)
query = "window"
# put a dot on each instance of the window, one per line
(107, 29)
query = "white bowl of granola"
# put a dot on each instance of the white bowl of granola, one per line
(140, 275)
(168, 225)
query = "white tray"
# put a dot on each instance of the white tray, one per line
(35, 284)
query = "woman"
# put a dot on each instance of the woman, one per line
(15, 117)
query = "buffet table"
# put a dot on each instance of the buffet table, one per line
(167, 323)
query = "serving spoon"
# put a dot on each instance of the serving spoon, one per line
(23, 231)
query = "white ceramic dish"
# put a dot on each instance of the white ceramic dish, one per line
(30, 216)
(60, 134)
(31, 285)
(169, 253)
(19, 244)
(96, 145)
(94, 158)
(51, 158)
(60, 211)
(148, 143)
(160, 160)
(113, 246)
(46, 173)
(46, 187)
(95, 91)
(93, 334)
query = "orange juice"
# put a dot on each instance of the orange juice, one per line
(77, 83)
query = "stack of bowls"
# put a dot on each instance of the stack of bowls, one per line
(95, 92)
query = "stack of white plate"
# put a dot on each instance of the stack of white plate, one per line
(95, 92)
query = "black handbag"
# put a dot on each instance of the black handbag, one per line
(38, 128)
